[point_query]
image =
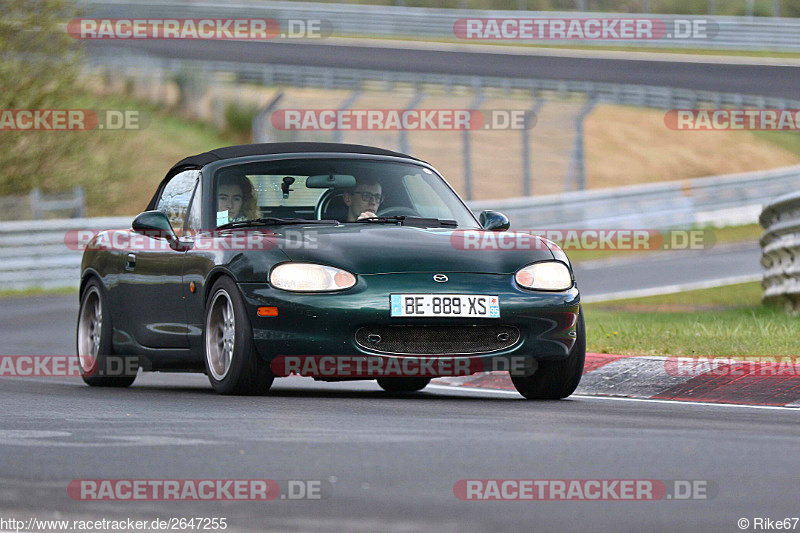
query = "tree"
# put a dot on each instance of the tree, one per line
(39, 70)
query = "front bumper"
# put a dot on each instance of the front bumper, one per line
(326, 323)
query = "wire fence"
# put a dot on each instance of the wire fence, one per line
(538, 171)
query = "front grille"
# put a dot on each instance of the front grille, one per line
(437, 340)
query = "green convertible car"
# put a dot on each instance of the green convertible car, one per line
(334, 261)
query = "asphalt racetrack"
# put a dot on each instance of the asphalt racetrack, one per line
(392, 461)
(779, 80)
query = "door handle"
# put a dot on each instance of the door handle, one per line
(131, 263)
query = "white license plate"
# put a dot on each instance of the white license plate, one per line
(456, 305)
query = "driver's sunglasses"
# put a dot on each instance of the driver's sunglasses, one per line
(368, 196)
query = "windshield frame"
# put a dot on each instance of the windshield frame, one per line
(209, 173)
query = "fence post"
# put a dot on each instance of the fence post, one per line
(80, 199)
(36, 199)
(350, 100)
(404, 146)
(258, 128)
(526, 149)
(577, 166)
(467, 153)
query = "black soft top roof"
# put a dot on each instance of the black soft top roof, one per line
(242, 150)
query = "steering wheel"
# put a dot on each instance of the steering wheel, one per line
(323, 203)
(397, 211)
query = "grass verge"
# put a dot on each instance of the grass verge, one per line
(121, 169)
(722, 321)
(29, 293)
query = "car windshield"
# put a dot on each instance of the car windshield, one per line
(335, 189)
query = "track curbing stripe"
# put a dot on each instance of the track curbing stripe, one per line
(663, 378)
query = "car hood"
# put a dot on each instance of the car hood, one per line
(377, 248)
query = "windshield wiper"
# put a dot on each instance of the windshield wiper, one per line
(409, 220)
(273, 221)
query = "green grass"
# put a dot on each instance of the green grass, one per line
(788, 140)
(712, 237)
(28, 293)
(121, 169)
(722, 321)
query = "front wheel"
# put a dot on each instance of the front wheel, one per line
(554, 380)
(233, 365)
(403, 384)
(99, 367)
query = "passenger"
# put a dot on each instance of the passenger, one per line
(363, 200)
(236, 195)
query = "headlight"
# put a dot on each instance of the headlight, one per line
(308, 277)
(547, 276)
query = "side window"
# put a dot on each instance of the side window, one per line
(175, 197)
(195, 211)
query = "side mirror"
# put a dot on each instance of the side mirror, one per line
(155, 224)
(494, 221)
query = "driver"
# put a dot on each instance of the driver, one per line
(237, 196)
(363, 200)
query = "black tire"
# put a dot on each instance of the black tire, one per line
(99, 366)
(245, 373)
(403, 384)
(554, 380)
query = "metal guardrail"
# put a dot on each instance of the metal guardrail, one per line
(42, 203)
(742, 33)
(720, 200)
(780, 247)
(37, 204)
(35, 254)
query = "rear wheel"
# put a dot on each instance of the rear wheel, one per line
(554, 380)
(403, 384)
(233, 365)
(99, 367)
